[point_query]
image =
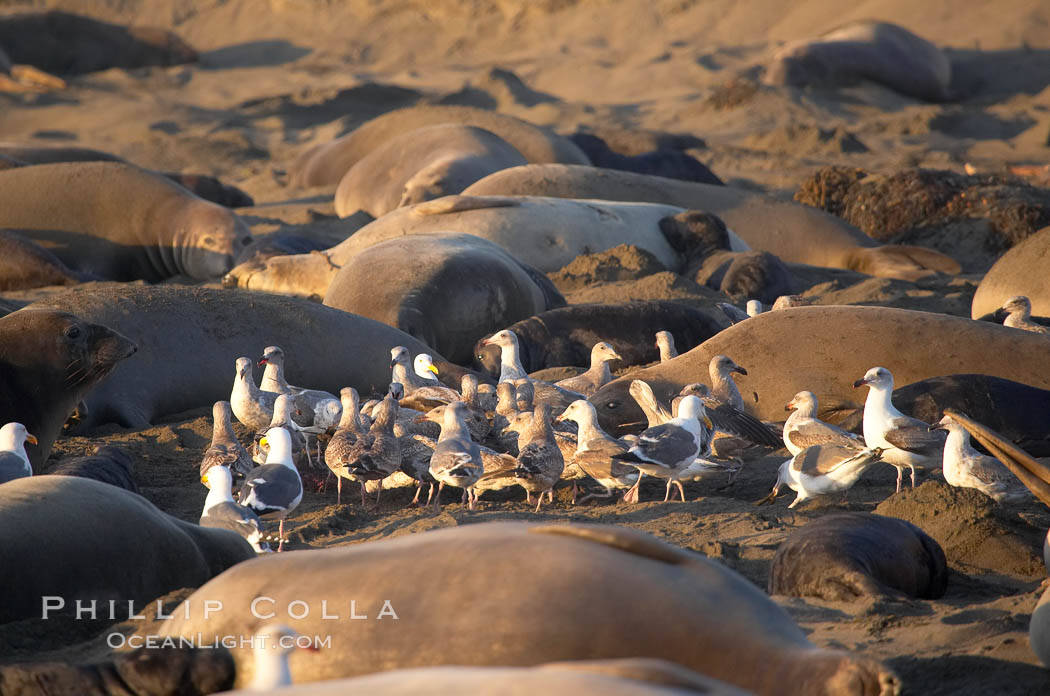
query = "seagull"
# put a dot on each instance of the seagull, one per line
(822, 469)
(665, 344)
(906, 441)
(789, 301)
(595, 450)
(375, 454)
(1020, 315)
(540, 462)
(511, 370)
(346, 435)
(667, 450)
(274, 489)
(803, 429)
(965, 467)
(283, 408)
(729, 419)
(597, 376)
(723, 387)
(225, 448)
(420, 394)
(270, 648)
(736, 315)
(424, 368)
(14, 462)
(221, 512)
(273, 381)
(251, 405)
(457, 458)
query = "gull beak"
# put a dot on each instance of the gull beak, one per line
(262, 361)
(860, 383)
(790, 406)
(31, 438)
(264, 442)
(560, 418)
(433, 369)
(392, 363)
(708, 423)
(615, 356)
(204, 479)
(486, 342)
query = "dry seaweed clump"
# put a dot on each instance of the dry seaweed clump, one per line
(905, 207)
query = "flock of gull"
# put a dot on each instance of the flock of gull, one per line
(534, 434)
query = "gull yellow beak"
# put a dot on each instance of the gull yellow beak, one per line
(264, 442)
(204, 479)
(433, 369)
(708, 423)
(31, 438)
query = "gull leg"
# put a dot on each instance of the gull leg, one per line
(338, 490)
(280, 544)
(635, 489)
(379, 492)
(362, 493)
(430, 493)
(680, 489)
(574, 491)
(539, 501)
(419, 489)
(550, 496)
(913, 477)
(607, 494)
(900, 475)
(528, 497)
(437, 499)
(472, 498)
(667, 491)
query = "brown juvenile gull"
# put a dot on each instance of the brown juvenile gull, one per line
(665, 344)
(14, 462)
(274, 380)
(477, 423)
(375, 454)
(723, 387)
(906, 441)
(282, 418)
(789, 301)
(597, 376)
(225, 448)
(965, 467)
(822, 469)
(540, 462)
(419, 394)
(595, 450)
(222, 512)
(457, 458)
(350, 428)
(510, 370)
(251, 405)
(667, 450)
(1020, 316)
(274, 489)
(803, 429)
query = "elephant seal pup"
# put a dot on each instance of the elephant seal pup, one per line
(325, 164)
(1016, 411)
(724, 626)
(190, 337)
(108, 464)
(421, 165)
(628, 677)
(74, 538)
(545, 233)
(844, 556)
(821, 348)
(445, 290)
(793, 232)
(1019, 271)
(49, 361)
(120, 222)
(25, 264)
(865, 50)
(565, 336)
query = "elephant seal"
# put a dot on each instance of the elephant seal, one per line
(190, 338)
(844, 556)
(545, 233)
(49, 361)
(445, 290)
(667, 162)
(793, 232)
(823, 349)
(325, 164)
(565, 336)
(120, 222)
(421, 165)
(25, 265)
(108, 464)
(74, 538)
(532, 599)
(865, 50)
(629, 677)
(1019, 271)
(1017, 411)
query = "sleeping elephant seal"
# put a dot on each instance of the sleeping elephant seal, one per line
(793, 232)
(545, 233)
(630, 677)
(445, 290)
(25, 264)
(824, 349)
(845, 556)
(49, 361)
(119, 222)
(865, 50)
(533, 598)
(565, 336)
(1019, 271)
(325, 164)
(74, 538)
(421, 165)
(189, 338)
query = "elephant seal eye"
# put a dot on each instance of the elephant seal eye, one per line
(73, 332)
(612, 404)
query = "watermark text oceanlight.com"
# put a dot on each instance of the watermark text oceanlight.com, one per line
(263, 608)
(200, 641)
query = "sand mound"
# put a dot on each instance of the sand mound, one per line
(974, 532)
(803, 139)
(623, 262)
